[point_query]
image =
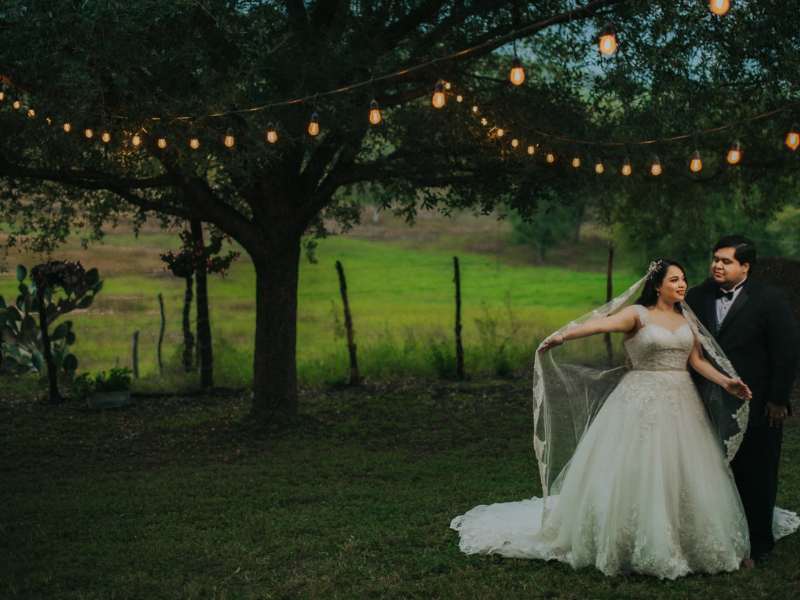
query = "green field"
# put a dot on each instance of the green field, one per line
(401, 297)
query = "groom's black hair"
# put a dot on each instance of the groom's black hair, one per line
(744, 248)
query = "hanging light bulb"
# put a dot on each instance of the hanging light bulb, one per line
(438, 100)
(136, 140)
(16, 104)
(2, 96)
(313, 125)
(696, 163)
(484, 121)
(550, 158)
(576, 162)
(655, 167)
(475, 108)
(272, 134)
(447, 85)
(88, 133)
(161, 143)
(229, 141)
(500, 132)
(517, 73)
(374, 113)
(48, 120)
(719, 7)
(531, 149)
(627, 169)
(734, 156)
(792, 140)
(514, 143)
(599, 167)
(31, 113)
(194, 143)
(106, 137)
(608, 41)
(67, 127)
(459, 98)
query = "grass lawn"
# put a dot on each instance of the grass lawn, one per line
(179, 498)
(401, 297)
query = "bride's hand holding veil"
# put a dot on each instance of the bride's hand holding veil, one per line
(738, 388)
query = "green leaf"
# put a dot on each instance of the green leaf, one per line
(70, 363)
(60, 332)
(2, 302)
(85, 302)
(70, 339)
(92, 277)
(38, 360)
(22, 272)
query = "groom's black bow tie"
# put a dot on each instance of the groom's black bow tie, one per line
(724, 294)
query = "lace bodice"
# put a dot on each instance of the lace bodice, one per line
(656, 348)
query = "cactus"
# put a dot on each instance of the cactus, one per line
(55, 289)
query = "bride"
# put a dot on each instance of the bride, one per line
(633, 464)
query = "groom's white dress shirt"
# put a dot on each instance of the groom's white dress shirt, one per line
(724, 302)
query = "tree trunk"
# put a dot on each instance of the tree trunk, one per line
(52, 374)
(188, 338)
(274, 366)
(203, 321)
(609, 296)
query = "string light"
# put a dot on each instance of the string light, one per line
(719, 7)
(438, 100)
(514, 143)
(696, 163)
(627, 169)
(531, 149)
(375, 116)
(16, 104)
(2, 96)
(229, 141)
(313, 125)
(459, 98)
(475, 108)
(48, 120)
(447, 85)
(500, 132)
(576, 162)
(272, 134)
(106, 137)
(655, 167)
(88, 133)
(31, 113)
(194, 143)
(599, 167)
(517, 73)
(136, 140)
(608, 41)
(550, 158)
(161, 143)
(792, 140)
(734, 155)
(484, 121)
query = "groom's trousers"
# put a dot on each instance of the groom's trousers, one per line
(755, 468)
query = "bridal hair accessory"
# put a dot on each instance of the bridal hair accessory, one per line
(655, 265)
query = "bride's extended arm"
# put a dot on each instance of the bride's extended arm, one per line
(735, 387)
(624, 321)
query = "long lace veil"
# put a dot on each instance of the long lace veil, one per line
(572, 381)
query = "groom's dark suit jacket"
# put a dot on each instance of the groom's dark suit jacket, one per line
(760, 337)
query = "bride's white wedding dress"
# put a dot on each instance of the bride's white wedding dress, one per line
(647, 490)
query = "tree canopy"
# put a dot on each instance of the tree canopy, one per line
(209, 69)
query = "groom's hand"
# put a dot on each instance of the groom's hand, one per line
(776, 413)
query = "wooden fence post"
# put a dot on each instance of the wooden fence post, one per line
(161, 333)
(355, 377)
(459, 344)
(135, 353)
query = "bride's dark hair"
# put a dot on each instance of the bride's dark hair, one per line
(649, 295)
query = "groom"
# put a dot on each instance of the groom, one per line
(754, 325)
